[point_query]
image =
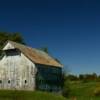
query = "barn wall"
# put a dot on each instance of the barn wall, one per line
(49, 78)
(17, 72)
(8, 46)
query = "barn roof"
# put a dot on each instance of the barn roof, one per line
(36, 55)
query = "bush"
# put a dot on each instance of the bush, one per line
(97, 91)
(66, 89)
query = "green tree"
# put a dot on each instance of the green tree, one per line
(72, 77)
(4, 36)
(45, 49)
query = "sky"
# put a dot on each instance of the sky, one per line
(69, 28)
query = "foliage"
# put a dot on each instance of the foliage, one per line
(97, 91)
(4, 36)
(85, 91)
(83, 87)
(83, 77)
(65, 85)
(88, 77)
(45, 49)
(72, 77)
(66, 89)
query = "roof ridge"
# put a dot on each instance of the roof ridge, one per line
(36, 55)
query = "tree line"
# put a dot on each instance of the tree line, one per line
(83, 77)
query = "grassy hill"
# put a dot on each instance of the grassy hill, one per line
(28, 95)
(85, 91)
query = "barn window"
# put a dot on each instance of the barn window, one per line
(12, 52)
(0, 81)
(25, 81)
(9, 81)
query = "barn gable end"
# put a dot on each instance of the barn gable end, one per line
(8, 46)
(17, 72)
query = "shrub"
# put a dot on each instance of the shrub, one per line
(66, 89)
(97, 91)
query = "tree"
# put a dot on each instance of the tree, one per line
(81, 76)
(17, 38)
(88, 77)
(72, 77)
(4, 36)
(65, 85)
(45, 49)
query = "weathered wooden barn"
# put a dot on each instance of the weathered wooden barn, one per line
(25, 68)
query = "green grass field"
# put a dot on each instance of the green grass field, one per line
(84, 91)
(28, 95)
(79, 90)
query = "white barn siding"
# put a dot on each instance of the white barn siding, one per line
(17, 69)
(8, 46)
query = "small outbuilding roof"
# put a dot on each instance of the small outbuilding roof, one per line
(36, 55)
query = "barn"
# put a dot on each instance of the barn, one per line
(26, 68)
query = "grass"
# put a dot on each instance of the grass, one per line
(84, 91)
(28, 95)
(80, 90)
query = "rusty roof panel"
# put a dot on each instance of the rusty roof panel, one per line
(36, 55)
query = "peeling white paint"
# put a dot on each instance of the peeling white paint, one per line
(8, 46)
(15, 70)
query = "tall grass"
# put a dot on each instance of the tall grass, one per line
(84, 91)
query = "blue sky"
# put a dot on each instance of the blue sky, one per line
(69, 28)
